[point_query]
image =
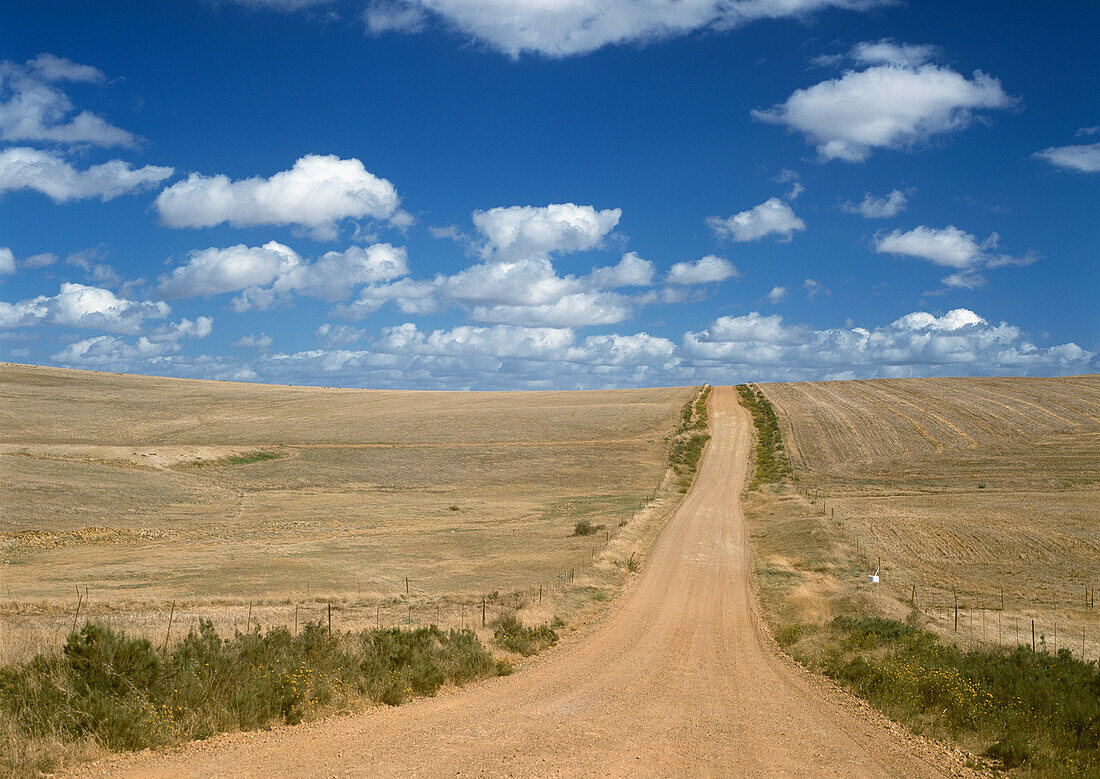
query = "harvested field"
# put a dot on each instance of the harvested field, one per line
(143, 491)
(985, 486)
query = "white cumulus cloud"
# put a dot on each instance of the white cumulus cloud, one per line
(560, 28)
(46, 172)
(274, 271)
(7, 260)
(214, 271)
(113, 352)
(705, 270)
(487, 357)
(952, 248)
(497, 342)
(34, 109)
(886, 106)
(523, 292)
(776, 294)
(959, 342)
(1083, 158)
(872, 207)
(262, 342)
(772, 217)
(515, 232)
(890, 52)
(329, 335)
(948, 246)
(316, 193)
(78, 305)
(630, 271)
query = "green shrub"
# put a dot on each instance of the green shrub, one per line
(1037, 709)
(770, 464)
(123, 693)
(1011, 750)
(509, 633)
(686, 452)
(688, 444)
(584, 527)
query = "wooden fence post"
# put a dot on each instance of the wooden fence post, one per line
(79, 600)
(168, 632)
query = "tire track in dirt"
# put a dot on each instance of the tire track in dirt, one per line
(677, 679)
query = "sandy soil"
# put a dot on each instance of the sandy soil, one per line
(678, 679)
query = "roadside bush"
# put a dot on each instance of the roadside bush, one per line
(123, 693)
(398, 663)
(686, 452)
(509, 633)
(770, 464)
(584, 527)
(1037, 709)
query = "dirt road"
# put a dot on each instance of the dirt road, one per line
(677, 680)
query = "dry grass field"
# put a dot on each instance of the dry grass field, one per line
(985, 485)
(146, 491)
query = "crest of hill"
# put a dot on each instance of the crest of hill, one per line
(62, 406)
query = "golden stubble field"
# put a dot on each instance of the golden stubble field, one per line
(977, 486)
(139, 492)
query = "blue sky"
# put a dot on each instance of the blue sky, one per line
(485, 194)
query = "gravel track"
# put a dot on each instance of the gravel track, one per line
(677, 679)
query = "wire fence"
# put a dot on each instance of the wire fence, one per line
(974, 614)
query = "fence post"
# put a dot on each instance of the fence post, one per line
(483, 611)
(79, 600)
(330, 619)
(953, 592)
(171, 613)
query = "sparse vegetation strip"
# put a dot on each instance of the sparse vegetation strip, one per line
(770, 465)
(690, 439)
(117, 692)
